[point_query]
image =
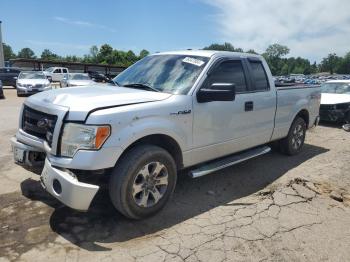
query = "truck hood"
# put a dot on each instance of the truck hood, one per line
(332, 99)
(81, 100)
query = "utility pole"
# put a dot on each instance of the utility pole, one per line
(2, 62)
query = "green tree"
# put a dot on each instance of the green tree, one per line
(93, 54)
(131, 57)
(26, 53)
(276, 51)
(285, 69)
(251, 51)
(73, 58)
(331, 63)
(221, 47)
(143, 53)
(105, 54)
(273, 56)
(344, 65)
(8, 53)
(313, 68)
(48, 55)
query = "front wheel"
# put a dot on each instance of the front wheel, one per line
(293, 143)
(142, 181)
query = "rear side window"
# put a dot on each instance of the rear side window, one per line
(230, 72)
(259, 76)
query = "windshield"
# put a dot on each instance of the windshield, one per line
(31, 75)
(173, 74)
(50, 69)
(79, 77)
(336, 88)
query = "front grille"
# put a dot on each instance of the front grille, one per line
(44, 129)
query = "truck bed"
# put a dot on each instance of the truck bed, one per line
(290, 99)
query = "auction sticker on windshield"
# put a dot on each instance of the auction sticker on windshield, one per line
(193, 61)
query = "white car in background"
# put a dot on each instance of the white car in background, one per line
(77, 79)
(335, 101)
(31, 82)
(56, 74)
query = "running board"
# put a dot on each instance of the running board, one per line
(228, 161)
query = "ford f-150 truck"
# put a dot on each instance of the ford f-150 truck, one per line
(195, 110)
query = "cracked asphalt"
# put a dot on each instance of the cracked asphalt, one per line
(272, 208)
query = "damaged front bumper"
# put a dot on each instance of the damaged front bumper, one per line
(335, 115)
(64, 185)
(59, 182)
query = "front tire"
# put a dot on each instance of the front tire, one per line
(293, 143)
(142, 181)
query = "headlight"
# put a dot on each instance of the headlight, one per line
(19, 84)
(78, 136)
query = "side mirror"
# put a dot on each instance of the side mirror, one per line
(217, 92)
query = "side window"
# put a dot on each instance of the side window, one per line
(230, 72)
(57, 71)
(259, 76)
(64, 70)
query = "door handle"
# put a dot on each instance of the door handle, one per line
(249, 106)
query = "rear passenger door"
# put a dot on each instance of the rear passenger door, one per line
(262, 102)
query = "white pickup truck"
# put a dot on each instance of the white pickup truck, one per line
(56, 74)
(199, 110)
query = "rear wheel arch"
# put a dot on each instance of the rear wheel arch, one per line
(304, 114)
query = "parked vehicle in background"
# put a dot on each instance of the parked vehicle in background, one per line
(8, 76)
(76, 79)
(346, 127)
(1, 90)
(335, 101)
(98, 77)
(196, 109)
(31, 82)
(56, 74)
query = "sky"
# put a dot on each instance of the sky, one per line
(311, 29)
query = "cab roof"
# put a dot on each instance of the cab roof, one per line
(209, 53)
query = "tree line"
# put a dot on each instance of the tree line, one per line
(103, 55)
(274, 54)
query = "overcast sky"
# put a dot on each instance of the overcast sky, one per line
(311, 29)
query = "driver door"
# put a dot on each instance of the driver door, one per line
(223, 127)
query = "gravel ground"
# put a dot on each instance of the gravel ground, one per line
(273, 208)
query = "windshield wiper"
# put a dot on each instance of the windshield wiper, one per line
(142, 86)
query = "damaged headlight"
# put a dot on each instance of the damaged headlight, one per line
(79, 136)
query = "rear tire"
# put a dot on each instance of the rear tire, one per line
(142, 181)
(293, 143)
